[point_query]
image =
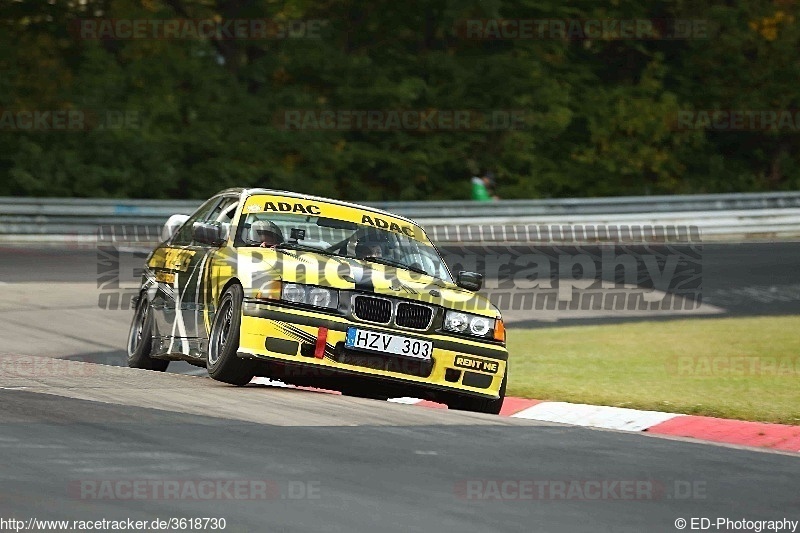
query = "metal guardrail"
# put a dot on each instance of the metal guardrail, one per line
(718, 216)
(592, 206)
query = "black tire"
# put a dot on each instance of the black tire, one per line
(140, 339)
(222, 362)
(480, 405)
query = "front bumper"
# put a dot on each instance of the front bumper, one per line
(292, 336)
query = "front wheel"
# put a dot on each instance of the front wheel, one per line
(480, 405)
(222, 362)
(140, 340)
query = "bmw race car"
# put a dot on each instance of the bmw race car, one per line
(317, 292)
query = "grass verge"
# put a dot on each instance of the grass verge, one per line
(742, 368)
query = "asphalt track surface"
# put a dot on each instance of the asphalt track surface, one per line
(408, 473)
(368, 465)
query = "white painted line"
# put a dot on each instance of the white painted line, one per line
(594, 416)
(405, 400)
(275, 383)
(269, 382)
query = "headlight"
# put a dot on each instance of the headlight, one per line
(457, 322)
(321, 297)
(310, 295)
(294, 292)
(479, 326)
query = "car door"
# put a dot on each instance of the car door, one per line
(174, 264)
(194, 287)
(188, 334)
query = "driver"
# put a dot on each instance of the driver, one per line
(266, 233)
(368, 249)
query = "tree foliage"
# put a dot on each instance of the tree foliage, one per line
(600, 115)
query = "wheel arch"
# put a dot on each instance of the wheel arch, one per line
(233, 281)
(210, 312)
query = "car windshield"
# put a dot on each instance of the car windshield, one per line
(341, 238)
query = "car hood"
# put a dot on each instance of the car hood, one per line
(256, 266)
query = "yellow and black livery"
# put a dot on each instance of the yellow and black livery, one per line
(312, 307)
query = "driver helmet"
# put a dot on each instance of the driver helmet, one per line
(266, 232)
(368, 249)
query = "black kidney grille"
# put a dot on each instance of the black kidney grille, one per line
(373, 309)
(413, 316)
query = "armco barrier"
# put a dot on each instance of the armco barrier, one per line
(718, 216)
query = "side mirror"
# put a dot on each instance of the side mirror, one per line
(209, 233)
(173, 223)
(472, 281)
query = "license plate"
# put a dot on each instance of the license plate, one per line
(361, 339)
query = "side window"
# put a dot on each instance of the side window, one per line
(225, 210)
(183, 237)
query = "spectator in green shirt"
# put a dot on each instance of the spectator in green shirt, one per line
(482, 187)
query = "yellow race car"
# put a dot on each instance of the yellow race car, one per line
(317, 292)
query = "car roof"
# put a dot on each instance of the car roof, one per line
(251, 192)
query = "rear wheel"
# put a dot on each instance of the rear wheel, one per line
(480, 405)
(140, 340)
(222, 362)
